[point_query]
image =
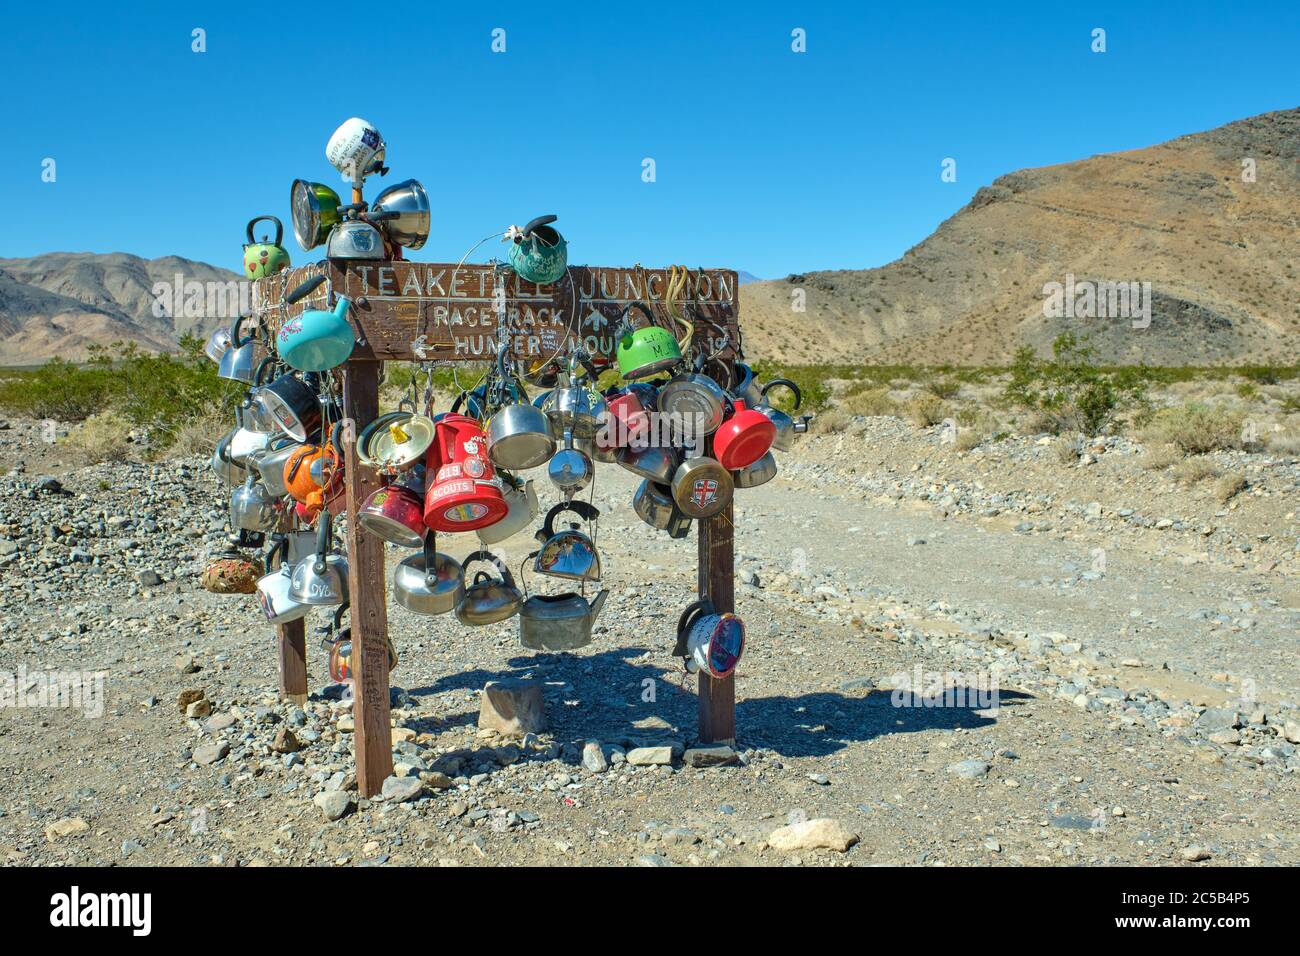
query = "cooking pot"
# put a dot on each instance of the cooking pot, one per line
(593, 450)
(238, 362)
(402, 211)
(786, 427)
(252, 507)
(270, 462)
(539, 253)
(568, 553)
(429, 583)
(654, 505)
(322, 578)
(264, 258)
(315, 210)
(218, 343)
(339, 644)
(366, 434)
(273, 589)
(558, 622)
(400, 442)
(755, 474)
(521, 499)
(519, 437)
(396, 514)
(570, 469)
(696, 400)
(293, 404)
(355, 239)
(743, 438)
(701, 487)
(657, 463)
(488, 600)
(318, 340)
(223, 466)
(709, 641)
(646, 351)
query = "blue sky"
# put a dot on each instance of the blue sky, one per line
(766, 160)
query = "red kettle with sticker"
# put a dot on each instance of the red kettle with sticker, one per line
(464, 493)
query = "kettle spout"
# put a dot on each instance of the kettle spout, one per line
(341, 307)
(597, 604)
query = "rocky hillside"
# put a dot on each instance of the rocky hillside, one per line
(62, 303)
(1219, 253)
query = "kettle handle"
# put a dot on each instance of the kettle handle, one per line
(492, 559)
(236, 341)
(304, 289)
(279, 229)
(534, 223)
(586, 511)
(703, 606)
(323, 541)
(625, 321)
(281, 546)
(430, 557)
(798, 395)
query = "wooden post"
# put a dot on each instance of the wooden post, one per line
(716, 580)
(367, 590)
(291, 639)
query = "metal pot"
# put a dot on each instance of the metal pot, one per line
(657, 463)
(568, 553)
(273, 589)
(293, 405)
(264, 258)
(786, 427)
(701, 487)
(696, 400)
(570, 469)
(755, 474)
(244, 443)
(746, 386)
(709, 641)
(522, 501)
(558, 622)
(322, 578)
(238, 363)
(575, 407)
(402, 440)
(519, 437)
(488, 601)
(218, 343)
(396, 514)
(223, 466)
(339, 644)
(429, 583)
(655, 506)
(252, 507)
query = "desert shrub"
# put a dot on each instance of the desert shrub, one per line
(1195, 428)
(104, 436)
(945, 388)
(926, 409)
(1262, 374)
(1159, 457)
(875, 401)
(1190, 471)
(1229, 486)
(58, 389)
(1070, 390)
(1067, 448)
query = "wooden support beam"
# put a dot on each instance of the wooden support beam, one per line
(367, 590)
(716, 579)
(291, 640)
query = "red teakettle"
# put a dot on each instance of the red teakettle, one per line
(464, 493)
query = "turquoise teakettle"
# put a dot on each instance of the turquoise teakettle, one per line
(539, 253)
(317, 340)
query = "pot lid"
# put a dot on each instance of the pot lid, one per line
(402, 441)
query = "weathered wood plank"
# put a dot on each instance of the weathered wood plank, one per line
(452, 312)
(368, 592)
(716, 579)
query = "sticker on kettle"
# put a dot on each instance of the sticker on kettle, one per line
(465, 512)
(474, 467)
(704, 491)
(471, 445)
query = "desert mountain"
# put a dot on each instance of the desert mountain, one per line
(1219, 251)
(61, 303)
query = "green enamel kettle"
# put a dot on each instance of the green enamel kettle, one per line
(262, 259)
(538, 253)
(645, 351)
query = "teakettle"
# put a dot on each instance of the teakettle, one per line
(558, 622)
(487, 600)
(464, 493)
(429, 583)
(568, 553)
(262, 259)
(645, 351)
(538, 252)
(322, 578)
(709, 641)
(317, 340)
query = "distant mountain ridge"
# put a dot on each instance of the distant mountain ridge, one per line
(1213, 235)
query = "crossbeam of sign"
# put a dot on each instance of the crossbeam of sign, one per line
(446, 312)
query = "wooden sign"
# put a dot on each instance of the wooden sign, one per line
(443, 312)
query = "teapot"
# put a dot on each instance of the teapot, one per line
(568, 553)
(487, 601)
(558, 622)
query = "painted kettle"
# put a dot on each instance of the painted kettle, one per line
(645, 351)
(262, 259)
(538, 252)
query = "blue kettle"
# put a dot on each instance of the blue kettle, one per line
(317, 340)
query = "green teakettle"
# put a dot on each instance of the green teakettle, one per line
(262, 259)
(317, 340)
(539, 253)
(647, 350)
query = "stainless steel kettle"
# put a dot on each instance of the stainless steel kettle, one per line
(568, 553)
(558, 622)
(487, 600)
(321, 579)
